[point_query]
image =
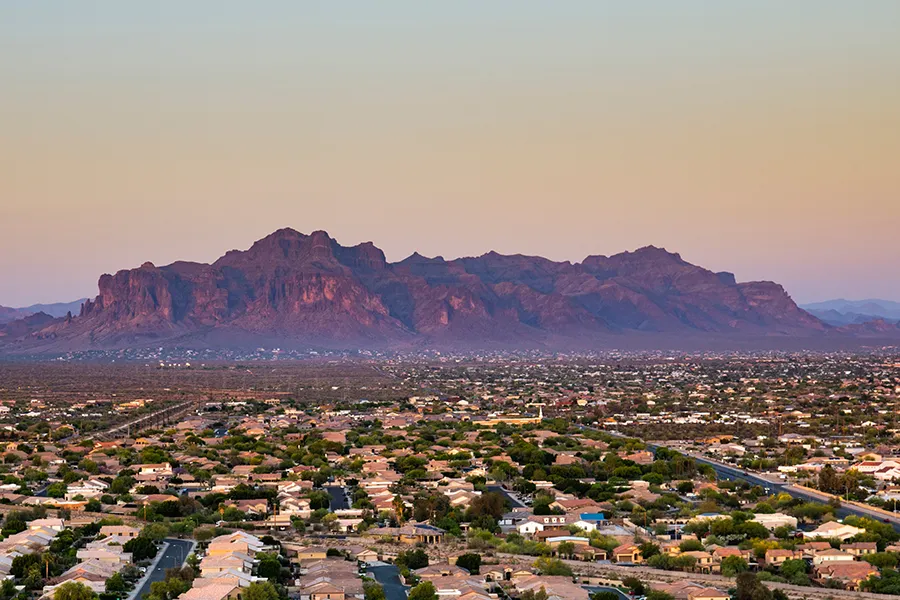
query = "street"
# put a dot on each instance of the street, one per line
(338, 497)
(175, 555)
(775, 487)
(389, 578)
(513, 501)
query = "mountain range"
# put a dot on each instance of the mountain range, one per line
(57, 309)
(294, 290)
(854, 312)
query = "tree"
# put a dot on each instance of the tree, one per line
(491, 503)
(635, 585)
(882, 560)
(749, 588)
(541, 594)
(552, 566)
(565, 549)
(659, 595)
(793, 567)
(732, 565)
(56, 490)
(269, 566)
(23, 563)
(155, 531)
(260, 590)
(412, 559)
(423, 591)
(141, 548)
(471, 562)
(116, 583)
(73, 591)
(373, 591)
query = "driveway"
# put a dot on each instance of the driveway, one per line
(174, 556)
(389, 578)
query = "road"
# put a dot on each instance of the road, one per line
(389, 578)
(774, 487)
(512, 500)
(175, 555)
(338, 497)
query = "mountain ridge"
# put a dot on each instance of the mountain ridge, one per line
(295, 289)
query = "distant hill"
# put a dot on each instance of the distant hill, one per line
(842, 312)
(56, 310)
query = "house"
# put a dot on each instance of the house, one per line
(810, 549)
(312, 553)
(704, 560)
(54, 524)
(91, 488)
(833, 529)
(688, 590)
(775, 520)
(850, 573)
(120, 531)
(163, 469)
(833, 555)
(537, 523)
(322, 590)
(213, 591)
(627, 553)
(860, 548)
(411, 533)
(777, 556)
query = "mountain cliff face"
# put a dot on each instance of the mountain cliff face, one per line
(297, 289)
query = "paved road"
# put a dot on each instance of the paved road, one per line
(338, 497)
(175, 555)
(512, 501)
(389, 578)
(774, 487)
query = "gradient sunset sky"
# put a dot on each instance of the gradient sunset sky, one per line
(759, 137)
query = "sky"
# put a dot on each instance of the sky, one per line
(760, 137)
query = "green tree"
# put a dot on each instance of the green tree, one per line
(373, 591)
(260, 590)
(155, 531)
(882, 560)
(634, 585)
(471, 562)
(412, 559)
(423, 591)
(748, 587)
(565, 549)
(732, 565)
(56, 490)
(552, 566)
(73, 591)
(269, 566)
(116, 583)
(141, 548)
(793, 567)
